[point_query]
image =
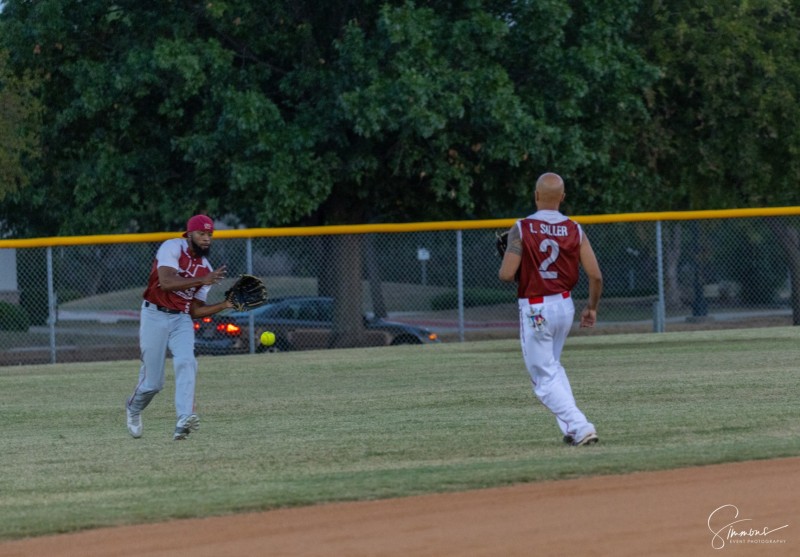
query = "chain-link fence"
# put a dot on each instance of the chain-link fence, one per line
(81, 302)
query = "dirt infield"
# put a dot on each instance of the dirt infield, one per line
(737, 509)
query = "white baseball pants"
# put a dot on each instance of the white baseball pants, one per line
(544, 328)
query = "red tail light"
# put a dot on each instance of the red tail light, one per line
(204, 320)
(229, 329)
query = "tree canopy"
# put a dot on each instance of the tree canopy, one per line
(723, 130)
(288, 112)
(20, 110)
(282, 112)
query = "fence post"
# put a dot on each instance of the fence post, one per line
(659, 308)
(460, 264)
(250, 316)
(51, 305)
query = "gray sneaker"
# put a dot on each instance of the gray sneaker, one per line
(134, 423)
(186, 426)
(588, 439)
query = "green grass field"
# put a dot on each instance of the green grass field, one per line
(300, 428)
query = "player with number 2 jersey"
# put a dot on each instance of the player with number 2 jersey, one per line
(552, 243)
(545, 253)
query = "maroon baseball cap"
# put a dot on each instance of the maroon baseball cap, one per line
(197, 223)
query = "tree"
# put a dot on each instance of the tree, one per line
(723, 132)
(345, 112)
(582, 79)
(20, 111)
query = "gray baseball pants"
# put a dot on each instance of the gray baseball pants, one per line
(159, 331)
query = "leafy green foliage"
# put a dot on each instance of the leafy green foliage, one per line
(582, 80)
(20, 111)
(347, 112)
(723, 132)
(351, 112)
(287, 112)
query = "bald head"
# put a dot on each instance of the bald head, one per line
(549, 191)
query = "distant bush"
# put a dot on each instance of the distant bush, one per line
(34, 301)
(472, 297)
(13, 318)
(68, 294)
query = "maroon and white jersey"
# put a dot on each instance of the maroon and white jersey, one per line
(175, 253)
(551, 248)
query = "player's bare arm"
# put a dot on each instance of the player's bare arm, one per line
(512, 258)
(198, 309)
(592, 269)
(169, 279)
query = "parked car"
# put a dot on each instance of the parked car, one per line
(299, 323)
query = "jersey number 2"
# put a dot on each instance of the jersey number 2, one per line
(546, 245)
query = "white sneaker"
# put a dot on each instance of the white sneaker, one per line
(186, 426)
(134, 423)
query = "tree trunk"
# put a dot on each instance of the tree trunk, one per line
(375, 284)
(326, 278)
(699, 304)
(672, 257)
(789, 239)
(344, 260)
(341, 277)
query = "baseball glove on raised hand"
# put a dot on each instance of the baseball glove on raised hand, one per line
(248, 292)
(501, 243)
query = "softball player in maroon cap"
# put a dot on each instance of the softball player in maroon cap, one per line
(176, 293)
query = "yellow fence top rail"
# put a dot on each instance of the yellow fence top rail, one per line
(393, 228)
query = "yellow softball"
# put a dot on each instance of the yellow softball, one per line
(267, 338)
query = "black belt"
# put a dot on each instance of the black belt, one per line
(161, 308)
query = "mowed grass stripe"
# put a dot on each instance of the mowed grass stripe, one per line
(300, 428)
